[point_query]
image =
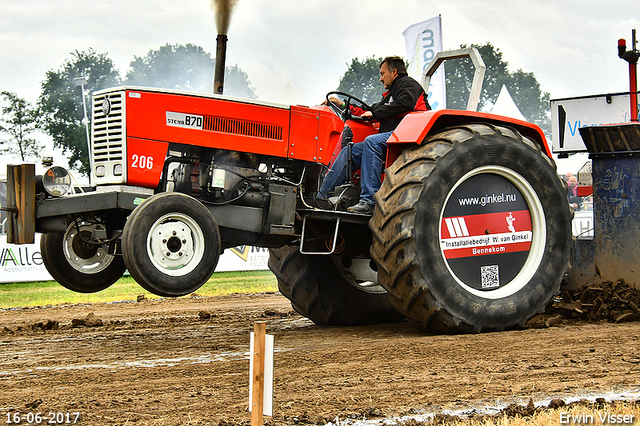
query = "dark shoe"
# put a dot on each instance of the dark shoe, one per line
(362, 208)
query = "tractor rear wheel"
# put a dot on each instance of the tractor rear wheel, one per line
(330, 290)
(171, 244)
(472, 230)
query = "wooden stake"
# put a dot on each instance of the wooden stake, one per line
(257, 397)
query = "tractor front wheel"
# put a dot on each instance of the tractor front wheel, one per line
(171, 244)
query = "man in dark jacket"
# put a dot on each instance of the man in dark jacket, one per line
(574, 200)
(404, 95)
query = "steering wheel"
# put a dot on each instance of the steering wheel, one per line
(345, 113)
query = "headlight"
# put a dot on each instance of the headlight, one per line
(56, 181)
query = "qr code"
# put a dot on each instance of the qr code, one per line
(490, 276)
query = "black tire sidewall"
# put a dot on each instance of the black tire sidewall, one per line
(526, 161)
(58, 265)
(135, 251)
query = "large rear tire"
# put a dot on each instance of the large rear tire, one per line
(171, 244)
(77, 265)
(330, 291)
(472, 230)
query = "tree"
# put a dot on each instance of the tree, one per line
(362, 79)
(19, 120)
(185, 67)
(61, 102)
(236, 83)
(532, 102)
(459, 76)
(523, 86)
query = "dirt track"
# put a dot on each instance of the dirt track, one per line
(184, 362)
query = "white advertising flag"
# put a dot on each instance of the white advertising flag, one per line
(423, 40)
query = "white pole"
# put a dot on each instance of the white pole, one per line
(82, 81)
(86, 127)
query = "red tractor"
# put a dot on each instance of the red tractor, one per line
(471, 230)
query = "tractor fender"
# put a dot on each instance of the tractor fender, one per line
(417, 125)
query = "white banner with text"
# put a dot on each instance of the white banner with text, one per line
(422, 41)
(23, 262)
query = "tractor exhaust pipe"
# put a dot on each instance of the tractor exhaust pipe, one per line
(221, 53)
(222, 10)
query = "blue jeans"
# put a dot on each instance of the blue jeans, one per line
(368, 156)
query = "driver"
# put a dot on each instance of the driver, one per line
(403, 95)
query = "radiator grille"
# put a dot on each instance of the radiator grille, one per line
(243, 127)
(108, 129)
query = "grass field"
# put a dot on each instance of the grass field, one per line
(52, 293)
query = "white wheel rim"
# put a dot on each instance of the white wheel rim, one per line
(175, 244)
(95, 264)
(538, 229)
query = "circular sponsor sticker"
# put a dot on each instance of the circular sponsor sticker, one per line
(485, 231)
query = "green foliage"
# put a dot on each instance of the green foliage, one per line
(173, 66)
(532, 102)
(362, 80)
(236, 83)
(19, 119)
(459, 76)
(523, 86)
(185, 67)
(61, 102)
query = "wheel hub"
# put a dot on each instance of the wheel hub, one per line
(82, 249)
(172, 244)
(359, 273)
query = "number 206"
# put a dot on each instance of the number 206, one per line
(142, 162)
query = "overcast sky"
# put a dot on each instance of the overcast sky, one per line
(570, 45)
